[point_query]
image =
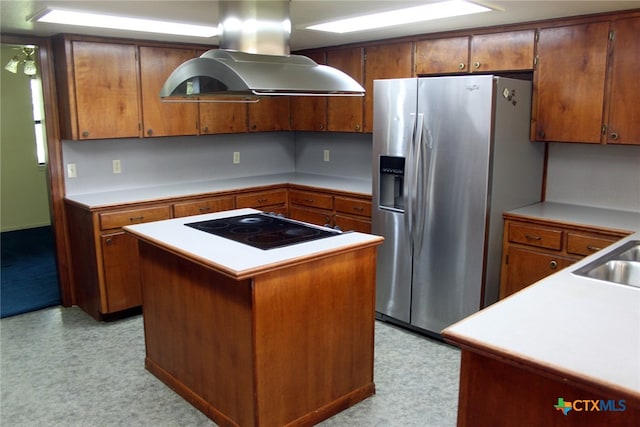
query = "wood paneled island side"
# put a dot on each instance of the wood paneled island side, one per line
(286, 340)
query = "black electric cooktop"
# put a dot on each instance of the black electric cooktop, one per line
(262, 230)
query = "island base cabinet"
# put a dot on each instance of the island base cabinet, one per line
(496, 393)
(290, 346)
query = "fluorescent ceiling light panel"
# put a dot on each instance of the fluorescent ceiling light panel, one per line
(86, 19)
(409, 15)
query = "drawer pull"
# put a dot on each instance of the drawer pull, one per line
(136, 218)
(204, 209)
(108, 241)
(553, 264)
(309, 200)
(593, 248)
(262, 200)
(530, 237)
(358, 209)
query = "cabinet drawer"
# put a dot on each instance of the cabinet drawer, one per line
(541, 237)
(309, 215)
(266, 198)
(315, 200)
(119, 219)
(581, 244)
(203, 206)
(350, 223)
(353, 206)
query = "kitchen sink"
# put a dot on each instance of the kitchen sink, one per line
(619, 266)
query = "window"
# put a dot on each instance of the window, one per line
(36, 100)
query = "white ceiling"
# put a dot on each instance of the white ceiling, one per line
(14, 13)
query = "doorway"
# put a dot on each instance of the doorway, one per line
(29, 274)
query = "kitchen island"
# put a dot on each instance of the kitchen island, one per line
(258, 337)
(562, 352)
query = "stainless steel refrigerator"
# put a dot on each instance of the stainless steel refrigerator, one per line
(450, 155)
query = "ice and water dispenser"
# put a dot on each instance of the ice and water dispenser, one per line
(392, 183)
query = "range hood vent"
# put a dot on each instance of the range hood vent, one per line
(254, 61)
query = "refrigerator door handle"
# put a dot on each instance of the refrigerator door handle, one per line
(409, 183)
(420, 170)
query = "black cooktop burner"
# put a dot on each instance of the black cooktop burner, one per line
(262, 230)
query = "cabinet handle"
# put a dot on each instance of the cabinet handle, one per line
(109, 241)
(476, 64)
(85, 134)
(553, 264)
(358, 126)
(530, 237)
(262, 200)
(593, 248)
(321, 127)
(614, 136)
(205, 129)
(358, 209)
(204, 209)
(309, 200)
(149, 132)
(461, 66)
(136, 218)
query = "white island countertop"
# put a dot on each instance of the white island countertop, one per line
(234, 259)
(186, 189)
(569, 326)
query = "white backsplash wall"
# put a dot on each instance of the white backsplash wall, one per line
(349, 154)
(157, 161)
(606, 176)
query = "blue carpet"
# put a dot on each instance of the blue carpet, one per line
(28, 271)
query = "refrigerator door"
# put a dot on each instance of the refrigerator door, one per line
(393, 129)
(453, 199)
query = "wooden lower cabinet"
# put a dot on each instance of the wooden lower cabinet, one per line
(121, 271)
(272, 200)
(203, 206)
(534, 249)
(331, 209)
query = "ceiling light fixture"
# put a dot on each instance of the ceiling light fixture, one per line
(25, 58)
(409, 15)
(96, 20)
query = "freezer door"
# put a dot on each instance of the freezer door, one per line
(452, 199)
(393, 126)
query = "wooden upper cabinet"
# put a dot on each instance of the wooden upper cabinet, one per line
(388, 61)
(507, 51)
(569, 89)
(270, 114)
(309, 113)
(624, 105)
(223, 117)
(100, 99)
(442, 56)
(164, 118)
(346, 114)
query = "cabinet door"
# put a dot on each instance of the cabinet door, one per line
(383, 62)
(105, 77)
(569, 83)
(624, 107)
(309, 113)
(525, 267)
(223, 117)
(507, 51)
(164, 118)
(442, 56)
(346, 114)
(121, 271)
(270, 114)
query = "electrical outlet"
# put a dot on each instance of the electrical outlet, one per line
(326, 155)
(236, 157)
(71, 170)
(117, 166)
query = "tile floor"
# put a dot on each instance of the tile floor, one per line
(59, 367)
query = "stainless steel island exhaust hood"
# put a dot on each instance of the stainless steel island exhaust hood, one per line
(254, 61)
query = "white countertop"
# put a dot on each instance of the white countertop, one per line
(235, 259)
(151, 193)
(586, 215)
(586, 328)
